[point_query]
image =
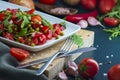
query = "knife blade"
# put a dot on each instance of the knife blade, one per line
(76, 51)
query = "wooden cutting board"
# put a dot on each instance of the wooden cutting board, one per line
(58, 64)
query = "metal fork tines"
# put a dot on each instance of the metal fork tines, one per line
(66, 46)
(63, 50)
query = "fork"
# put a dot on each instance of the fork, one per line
(63, 50)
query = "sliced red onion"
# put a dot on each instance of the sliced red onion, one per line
(72, 69)
(73, 65)
(94, 22)
(62, 76)
(82, 23)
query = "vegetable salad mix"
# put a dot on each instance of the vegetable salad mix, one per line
(28, 28)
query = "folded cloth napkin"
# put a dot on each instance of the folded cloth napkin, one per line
(3, 49)
(8, 69)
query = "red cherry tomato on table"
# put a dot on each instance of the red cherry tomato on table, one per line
(19, 54)
(106, 5)
(89, 4)
(50, 2)
(111, 21)
(114, 72)
(88, 68)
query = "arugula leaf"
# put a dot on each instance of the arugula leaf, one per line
(115, 13)
(25, 21)
(23, 31)
(63, 24)
(115, 32)
(46, 23)
(10, 28)
(6, 21)
(77, 40)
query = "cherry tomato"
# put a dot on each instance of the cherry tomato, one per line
(19, 54)
(57, 28)
(36, 25)
(45, 29)
(8, 35)
(111, 21)
(114, 72)
(50, 2)
(35, 40)
(58, 31)
(2, 16)
(21, 40)
(55, 35)
(36, 19)
(31, 11)
(39, 38)
(42, 38)
(49, 34)
(88, 68)
(106, 5)
(89, 4)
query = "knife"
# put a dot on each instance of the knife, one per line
(76, 51)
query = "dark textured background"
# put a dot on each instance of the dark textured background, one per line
(107, 53)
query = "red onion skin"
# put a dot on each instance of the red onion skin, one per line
(62, 76)
(83, 23)
(72, 69)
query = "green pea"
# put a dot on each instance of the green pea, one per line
(61, 34)
(33, 44)
(37, 29)
(57, 37)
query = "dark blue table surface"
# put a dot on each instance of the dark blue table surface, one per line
(108, 51)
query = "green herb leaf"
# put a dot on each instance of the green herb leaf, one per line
(6, 22)
(115, 13)
(115, 32)
(25, 21)
(63, 24)
(46, 23)
(23, 31)
(10, 28)
(77, 40)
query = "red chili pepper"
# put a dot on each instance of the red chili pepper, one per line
(77, 17)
